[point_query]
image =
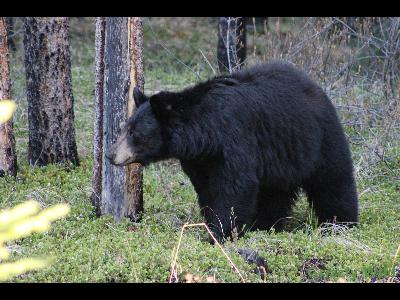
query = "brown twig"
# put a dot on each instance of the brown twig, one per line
(394, 258)
(175, 256)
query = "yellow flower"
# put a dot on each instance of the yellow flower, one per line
(19, 212)
(19, 222)
(4, 253)
(7, 108)
(55, 212)
(8, 270)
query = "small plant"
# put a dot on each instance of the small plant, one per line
(7, 108)
(19, 222)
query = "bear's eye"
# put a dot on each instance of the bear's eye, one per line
(131, 131)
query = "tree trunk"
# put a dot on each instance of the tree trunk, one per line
(117, 191)
(8, 157)
(231, 51)
(49, 91)
(134, 172)
(99, 109)
(10, 33)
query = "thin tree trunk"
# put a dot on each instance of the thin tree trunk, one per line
(121, 188)
(10, 32)
(8, 157)
(49, 91)
(134, 187)
(231, 52)
(99, 107)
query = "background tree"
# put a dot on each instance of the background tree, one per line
(119, 68)
(231, 51)
(8, 157)
(49, 91)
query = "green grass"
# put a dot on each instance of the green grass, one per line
(87, 248)
(91, 249)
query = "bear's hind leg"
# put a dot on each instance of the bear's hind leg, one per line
(333, 197)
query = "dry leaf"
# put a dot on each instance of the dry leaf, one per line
(189, 278)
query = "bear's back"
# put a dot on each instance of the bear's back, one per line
(271, 83)
(275, 85)
(280, 79)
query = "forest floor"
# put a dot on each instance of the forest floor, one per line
(90, 249)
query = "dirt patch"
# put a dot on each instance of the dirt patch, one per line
(390, 279)
(252, 257)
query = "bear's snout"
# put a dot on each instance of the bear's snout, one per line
(109, 155)
(120, 153)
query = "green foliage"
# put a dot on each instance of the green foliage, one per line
(19, 222)
(90, 249)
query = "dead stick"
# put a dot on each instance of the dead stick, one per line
(173, 265)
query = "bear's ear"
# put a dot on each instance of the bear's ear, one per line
(139, 97)
(166, 104)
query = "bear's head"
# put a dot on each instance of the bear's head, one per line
(140, 139)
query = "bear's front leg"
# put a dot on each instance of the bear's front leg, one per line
(227, 195)
(229, 216)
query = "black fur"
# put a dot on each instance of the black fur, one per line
(249, 141)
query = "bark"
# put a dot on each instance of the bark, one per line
(134, 187)
(231, 52)
(49, 91)
(99, 108)
(121, 188)
(8, 157)
(10, 33)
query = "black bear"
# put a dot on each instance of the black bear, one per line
(249, 142)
